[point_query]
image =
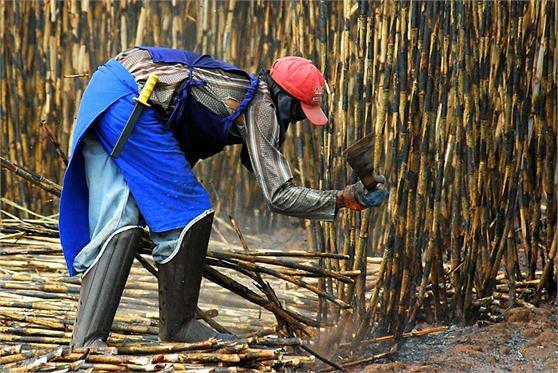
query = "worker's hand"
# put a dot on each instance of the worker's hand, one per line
(357, 197)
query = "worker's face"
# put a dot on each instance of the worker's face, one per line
(289, 109)
(296, 111)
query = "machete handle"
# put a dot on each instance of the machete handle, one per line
(147, 90)
(371, 182)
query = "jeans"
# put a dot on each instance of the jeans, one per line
(112, 206)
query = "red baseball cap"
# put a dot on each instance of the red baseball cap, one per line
(302, 80)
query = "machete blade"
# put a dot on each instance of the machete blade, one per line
(360, 157)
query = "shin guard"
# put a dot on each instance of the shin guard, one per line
(180, 278)
(102, 286)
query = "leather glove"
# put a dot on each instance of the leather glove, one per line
(357, 197)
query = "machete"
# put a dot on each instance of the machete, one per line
(359, 157)
(141, 104)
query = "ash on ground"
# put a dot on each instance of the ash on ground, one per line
(527, 341)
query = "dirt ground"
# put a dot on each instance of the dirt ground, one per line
(527, 341)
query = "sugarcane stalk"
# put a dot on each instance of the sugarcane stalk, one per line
(35, 363)
(547, 271)
(293, 253)
(10, 350)
(290, 317)
(414, 333)
(283, 263)
(53, 140)
(32, 177)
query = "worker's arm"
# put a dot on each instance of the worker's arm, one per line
(260, 133)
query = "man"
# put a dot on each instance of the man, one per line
(199, 106)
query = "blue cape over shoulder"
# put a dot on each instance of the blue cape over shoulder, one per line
(160, 179)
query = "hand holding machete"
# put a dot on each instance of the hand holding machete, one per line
(371, 190)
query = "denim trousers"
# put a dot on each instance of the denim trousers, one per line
(112, 207)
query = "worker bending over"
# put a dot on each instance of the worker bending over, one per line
(198, 106)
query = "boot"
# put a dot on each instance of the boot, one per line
(179, 287)
(102, 286)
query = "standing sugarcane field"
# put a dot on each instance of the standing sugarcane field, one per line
(279, 185)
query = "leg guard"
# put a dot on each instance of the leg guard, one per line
(179, 286)
(102, 286)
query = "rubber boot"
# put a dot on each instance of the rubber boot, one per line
(102, 286)
(179, 287)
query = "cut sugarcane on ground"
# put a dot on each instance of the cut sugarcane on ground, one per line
(38, 302)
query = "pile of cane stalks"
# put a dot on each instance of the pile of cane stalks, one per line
(256, 353)
(38, 305)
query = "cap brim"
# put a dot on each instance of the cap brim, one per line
(314, 114)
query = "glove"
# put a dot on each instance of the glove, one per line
(357, 197)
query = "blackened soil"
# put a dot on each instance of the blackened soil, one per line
(527, 341)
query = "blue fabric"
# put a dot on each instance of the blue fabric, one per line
(201, 132)
(169, 55)
(371, 198)
(73, 222)
(158, 175)
(156, 162)
(112, 207)
(162, 182)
